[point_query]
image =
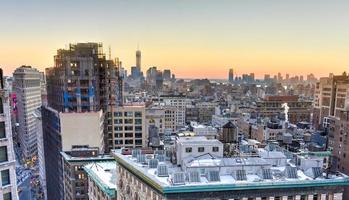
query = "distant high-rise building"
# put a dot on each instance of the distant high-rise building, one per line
(287, 77)
(252, 76)
(151, 76)
(27, 86)
(138, 59)
(167, 74)
(136, 72)
(231, 75)
(279, 77)
(81, 81)
(8, 188)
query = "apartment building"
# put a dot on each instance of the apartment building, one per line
(128, 127)
(179, 102)
(272, 106)
(8, 184)
(331, 98)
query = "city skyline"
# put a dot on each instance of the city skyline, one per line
(259, 37)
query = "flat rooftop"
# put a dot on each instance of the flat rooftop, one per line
(104, 175)
(101, 157)
(190, 138)
(227, 178)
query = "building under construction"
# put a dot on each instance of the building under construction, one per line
(82, 80)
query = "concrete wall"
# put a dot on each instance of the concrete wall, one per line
(81, 129)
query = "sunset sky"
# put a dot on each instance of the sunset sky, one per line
(194, 38)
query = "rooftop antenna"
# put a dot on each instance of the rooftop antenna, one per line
(137, 46)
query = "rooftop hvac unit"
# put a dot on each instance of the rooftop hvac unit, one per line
(178, 178)
(194, 177)
(213, 176)
(153, 163)
(162, 170)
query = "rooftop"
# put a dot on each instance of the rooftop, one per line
(209, 173)
(104, 175)
(191, 138)
(102, 157)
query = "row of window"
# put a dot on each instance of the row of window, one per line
(200, 149)
(127, 128)
(127, 121)
(137, 142)
(128, 114)
(128, 135)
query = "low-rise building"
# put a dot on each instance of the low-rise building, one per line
(153, 176)
(74, 176)
(193, 146)
(102, 180)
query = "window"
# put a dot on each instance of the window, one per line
(188, 150)
(7, 196)
(3, 154)
(119, 142)
(128, 128)
(138, 135)
(5, 177)
(128, 141)
(128, 121)
(117, 114)
(117, 121)
(138, 121)
(128, 134)
(201, 149)
(128, 114)
(138, 114)
(138, 128)
(2, 130)
(118, 128)
(215, 149)
(1, 106)
(138, 142)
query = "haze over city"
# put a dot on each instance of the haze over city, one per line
(200, 39)
(174, 100)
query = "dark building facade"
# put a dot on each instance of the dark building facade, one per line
(52, 147)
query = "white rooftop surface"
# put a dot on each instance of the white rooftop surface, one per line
(196, 140)
(105, 172)
(251, 179)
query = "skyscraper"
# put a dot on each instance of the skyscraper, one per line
(138, 59)
(27, 85)
(81, 81)
(231, 75)
(167, 74)
(8, 188)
